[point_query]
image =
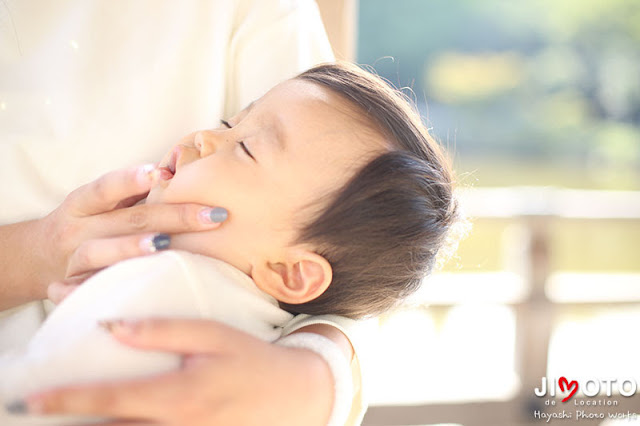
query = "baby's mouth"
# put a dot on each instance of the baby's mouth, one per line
(168, 171)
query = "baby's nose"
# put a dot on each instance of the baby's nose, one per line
(205, 142)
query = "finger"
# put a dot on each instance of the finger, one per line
(166, 218)
(144, 399)
(58, 291)
(100, 253)
(104, 193)
(188, 336)
(128, 202)
(78, 278)
(125, 423)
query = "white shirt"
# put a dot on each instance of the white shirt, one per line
(89, 86)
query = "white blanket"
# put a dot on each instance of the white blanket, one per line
(71, 347)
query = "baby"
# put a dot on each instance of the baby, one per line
(338, 202)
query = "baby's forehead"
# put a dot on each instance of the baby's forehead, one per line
(326, 104)
(302, 90)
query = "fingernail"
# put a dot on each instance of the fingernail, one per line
(121, 327)
(214, 215)
(146, 173)
(154, 243)
(160, 242)
(17, 407)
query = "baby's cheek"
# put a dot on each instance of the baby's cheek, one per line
(183, 189)
(214, 243)
(229, 243)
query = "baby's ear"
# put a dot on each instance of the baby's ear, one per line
(302, 277)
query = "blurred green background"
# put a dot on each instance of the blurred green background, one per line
(543, 93)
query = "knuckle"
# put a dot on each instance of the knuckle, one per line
(100, 189)
(67, 235)
(71, 198)
(186, 217)
(81, 259)
(89, 400)
(138, 219)
(58, 401)
(67, 231)
(51, 402)
(79, 193)
(107, 397)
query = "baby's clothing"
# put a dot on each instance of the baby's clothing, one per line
(71, 347)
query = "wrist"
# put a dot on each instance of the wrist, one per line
(39, 242)
(22, 262)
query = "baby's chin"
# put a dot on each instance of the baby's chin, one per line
(156, 194)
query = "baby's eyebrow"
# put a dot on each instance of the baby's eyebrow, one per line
(244, 111)
(277, 127)
(279, 133)
(248, 107)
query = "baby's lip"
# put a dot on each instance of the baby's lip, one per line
(165, 173)
(169, 170)
(173, 159)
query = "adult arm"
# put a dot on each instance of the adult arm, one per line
(21, 263)
(95, 226)
(228, 377)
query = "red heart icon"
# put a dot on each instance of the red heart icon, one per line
(569, 384)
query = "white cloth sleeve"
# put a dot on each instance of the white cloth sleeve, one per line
(339, 366)
(360, 333)
(273, 41)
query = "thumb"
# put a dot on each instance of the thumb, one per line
(57, 291)
(108, 191)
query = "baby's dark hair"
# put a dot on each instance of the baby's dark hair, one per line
(382, 230)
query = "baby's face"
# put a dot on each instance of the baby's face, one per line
(288, 149)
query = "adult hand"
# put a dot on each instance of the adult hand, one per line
(97, 225)
(227, 377)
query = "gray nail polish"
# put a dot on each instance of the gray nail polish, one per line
(16, 407)
(218, 214)
(160, 242)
